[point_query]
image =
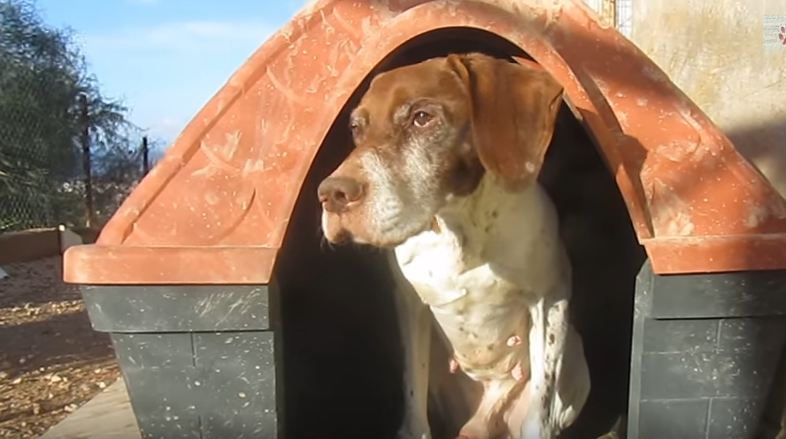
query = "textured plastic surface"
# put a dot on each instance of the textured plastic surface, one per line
(216, 208)
(198, 361)
(705, 350)
(203, 385)
(169, 308)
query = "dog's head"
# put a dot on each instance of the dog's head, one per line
(427, 132)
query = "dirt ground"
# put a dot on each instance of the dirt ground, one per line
(51, 360)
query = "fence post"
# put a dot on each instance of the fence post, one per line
(145, 158)
(609, 11)
(84, 120)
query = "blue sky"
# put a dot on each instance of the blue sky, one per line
(165, 58)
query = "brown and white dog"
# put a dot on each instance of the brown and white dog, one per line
(445, 172)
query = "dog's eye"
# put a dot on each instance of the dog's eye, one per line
(421, 119)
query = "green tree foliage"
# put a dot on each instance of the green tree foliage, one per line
(42, 75)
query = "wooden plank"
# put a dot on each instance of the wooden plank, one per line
(107, 416)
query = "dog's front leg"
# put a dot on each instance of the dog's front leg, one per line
(415, 329)
(560, 381)
(534, 425)
(547, 344)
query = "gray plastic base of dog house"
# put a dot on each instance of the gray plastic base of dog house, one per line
(705, 350)
(204, 361)
(198, 361)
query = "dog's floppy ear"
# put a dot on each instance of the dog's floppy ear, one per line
(513, 109)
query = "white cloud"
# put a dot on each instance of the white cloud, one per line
(166, 72)
(166, 129)
(186, 35)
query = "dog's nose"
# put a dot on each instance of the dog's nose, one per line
(335, 193)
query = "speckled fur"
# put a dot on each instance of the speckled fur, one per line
(474, 235)
(496, 269)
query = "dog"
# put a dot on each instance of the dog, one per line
(444, 172)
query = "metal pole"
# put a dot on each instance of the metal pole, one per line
(84, 120)
(145, 158)
(609, 12)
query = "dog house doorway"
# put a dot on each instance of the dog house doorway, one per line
(342, 357)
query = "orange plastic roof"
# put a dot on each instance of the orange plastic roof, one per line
(216, 207)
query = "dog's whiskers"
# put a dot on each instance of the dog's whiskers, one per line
(324, 244)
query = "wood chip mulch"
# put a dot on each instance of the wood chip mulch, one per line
(51, 360)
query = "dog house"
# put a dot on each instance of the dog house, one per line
(230, 320)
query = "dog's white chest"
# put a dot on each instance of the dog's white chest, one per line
(480, 271)
(476, 309)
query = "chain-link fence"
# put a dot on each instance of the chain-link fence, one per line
(624, 19)
(42, 169)
(28, 164)
(618, 12)
(67, 154)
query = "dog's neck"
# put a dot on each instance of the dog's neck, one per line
(473, 221)
(491, 225)
(513, 232)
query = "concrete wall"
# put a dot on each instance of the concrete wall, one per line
(721, 53)
(728, 58)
